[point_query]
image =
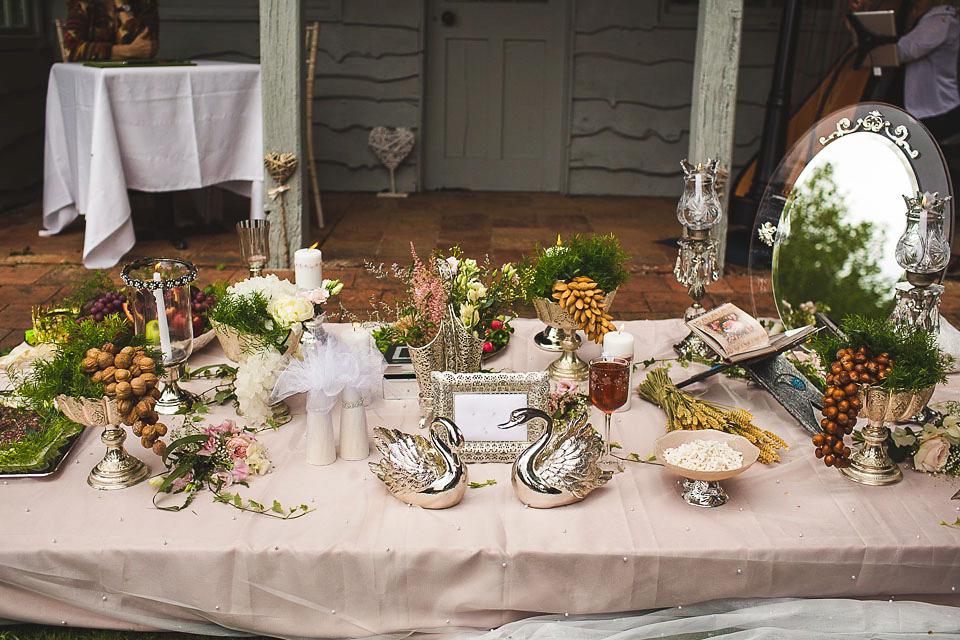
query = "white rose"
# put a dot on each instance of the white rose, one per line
(257, 458)
(932, 454)
(289, 309)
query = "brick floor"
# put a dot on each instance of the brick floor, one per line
(361, 227)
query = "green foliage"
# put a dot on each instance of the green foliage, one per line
(827, 259)
(36, 451)
(276, 510)
(248, 314)
(917, 361)
(63, 373)
(598, 257)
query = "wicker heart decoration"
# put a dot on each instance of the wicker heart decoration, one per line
(391, 145)
(280, 165)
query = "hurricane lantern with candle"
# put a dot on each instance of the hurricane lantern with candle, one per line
(160, 291)
(697, 261)
(923, 252)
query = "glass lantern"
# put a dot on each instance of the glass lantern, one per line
(699, 206)
(923, 252)
(697, 261)
(160, 294)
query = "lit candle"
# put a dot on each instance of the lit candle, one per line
(619, 344)
(162, 326)
(309, 268)
(358, 338)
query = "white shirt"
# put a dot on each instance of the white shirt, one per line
(929, 54)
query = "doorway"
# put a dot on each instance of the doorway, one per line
(496, 97)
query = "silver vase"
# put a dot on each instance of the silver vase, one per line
(872, 465)
(568, 366)
(454, 348)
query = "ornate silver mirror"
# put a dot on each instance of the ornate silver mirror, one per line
(832, 213)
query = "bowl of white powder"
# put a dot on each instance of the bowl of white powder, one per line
(707, 454)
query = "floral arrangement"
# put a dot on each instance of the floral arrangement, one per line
(933, 448)
(566, 404)
(317, 297)
(498, 335)
(216, 457)
(477, 294)
(264, 306)
(254, 382)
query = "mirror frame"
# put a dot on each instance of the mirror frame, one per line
(920, 150)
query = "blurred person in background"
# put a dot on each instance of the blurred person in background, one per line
(111, 29)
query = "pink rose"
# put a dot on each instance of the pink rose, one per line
(315, 296)
(237, 446)
(932, 454)
(225, 478)
(496, 324)
(241, 470)
(488, 347)
(182, 481)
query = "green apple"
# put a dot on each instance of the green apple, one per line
(152, 332)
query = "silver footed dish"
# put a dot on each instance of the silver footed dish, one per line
(560, 469)
(422, 472)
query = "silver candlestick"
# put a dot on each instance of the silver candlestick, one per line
(697, 261)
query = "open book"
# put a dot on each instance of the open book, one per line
(737, 336)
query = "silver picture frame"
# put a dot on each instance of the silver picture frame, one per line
(496, 393)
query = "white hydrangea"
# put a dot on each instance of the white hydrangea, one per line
(269, 285)
(255, 380)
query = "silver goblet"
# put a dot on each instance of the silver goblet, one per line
(254, 244)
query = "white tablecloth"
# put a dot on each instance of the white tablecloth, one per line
(145, 128)
(364, 563)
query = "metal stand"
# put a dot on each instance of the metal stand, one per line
(550, 339)
(118, 469)
(173, 399)
(696, 268)
(701, 493)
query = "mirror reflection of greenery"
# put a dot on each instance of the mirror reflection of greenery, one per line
(825, 258)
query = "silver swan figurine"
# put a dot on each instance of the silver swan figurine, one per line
(425, 473)
(556, 471)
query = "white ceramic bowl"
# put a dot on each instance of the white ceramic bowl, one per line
(674, 439)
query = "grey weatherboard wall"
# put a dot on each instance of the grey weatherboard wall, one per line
(631, 77)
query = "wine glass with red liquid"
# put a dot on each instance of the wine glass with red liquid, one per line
(609, 389)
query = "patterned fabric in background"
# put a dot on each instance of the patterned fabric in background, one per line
(91, 31)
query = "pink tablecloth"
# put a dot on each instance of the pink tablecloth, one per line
(364, 563)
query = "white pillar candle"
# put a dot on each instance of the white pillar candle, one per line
(357, 337)
(162, 327)
(620, 344)
(308, 264)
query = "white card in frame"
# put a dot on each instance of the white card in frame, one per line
(479, 402)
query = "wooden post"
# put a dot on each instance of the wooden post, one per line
(714, 104)
(281, 81)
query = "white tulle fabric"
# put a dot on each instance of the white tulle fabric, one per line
(324, 370)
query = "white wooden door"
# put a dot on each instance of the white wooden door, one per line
(495, 94)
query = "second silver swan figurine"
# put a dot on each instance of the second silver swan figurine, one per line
(425, 473)
(556, 471)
